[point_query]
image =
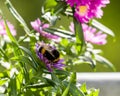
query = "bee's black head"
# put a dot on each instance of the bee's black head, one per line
(55, 53)
(40, 49)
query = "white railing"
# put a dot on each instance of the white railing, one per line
(108, 83)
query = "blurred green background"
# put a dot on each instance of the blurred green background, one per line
(31, 9)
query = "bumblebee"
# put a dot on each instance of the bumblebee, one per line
(49, 52)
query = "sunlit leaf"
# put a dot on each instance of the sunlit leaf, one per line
(104, 61)
(83, 88)
(3, 81)
(64, 42)
(60, 33)
(17, 16)
(102, 27)
(93, 92)
(19, 80)
(50, 3)
(86, 60)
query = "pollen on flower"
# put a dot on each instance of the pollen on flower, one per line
(82, 10)
(87, 9)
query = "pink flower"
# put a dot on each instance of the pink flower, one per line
(91, 35)
(3, 30)
(87, 9)
(39, 26)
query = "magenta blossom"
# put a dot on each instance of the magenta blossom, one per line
(39, 26)
(49, 64)
(3, 29)
(91, 35)
(87, 9)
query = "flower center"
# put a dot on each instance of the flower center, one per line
(83, 10)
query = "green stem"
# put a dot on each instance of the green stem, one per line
(20, 40)
(4, 55)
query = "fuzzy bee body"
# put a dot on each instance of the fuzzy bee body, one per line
(50, 53)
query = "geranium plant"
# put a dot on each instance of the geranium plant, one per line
(41, 62)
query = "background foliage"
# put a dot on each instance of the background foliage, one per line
(110, 19)
(27, 74)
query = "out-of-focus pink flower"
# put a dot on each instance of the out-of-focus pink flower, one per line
(39, 26)
(91, 35)
(87, 9)
(3, 29)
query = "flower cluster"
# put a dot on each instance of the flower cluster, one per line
(87, 9)
(3, 29)
(40, 26)
(91, 34)
(31, 63)
(50, 65)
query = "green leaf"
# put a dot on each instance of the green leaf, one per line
(80, 42)
(90, 60)
(3, 81)
(49, 81)
(60, 33)
(72, 80)
(17, 16)
(83, 88)
(66, 90)
(12, 87)
(38, 86)
(73, 90)
(64, 42)
(60, 7)
(104, 61)
(19, 80)
(2, 53)
(61, 72)
(31, 55)
(50, 3)
(4, 74)
(26, 60)
(55, 79)
(86, 60)
(102, 27)
(12, 38)
(89, 92)
(93, 92)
